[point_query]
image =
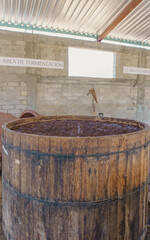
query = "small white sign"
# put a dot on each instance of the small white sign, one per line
(28, 62)
(134, 70)
(17, 161)
(5, 150)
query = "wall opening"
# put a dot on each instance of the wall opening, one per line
(91, 63)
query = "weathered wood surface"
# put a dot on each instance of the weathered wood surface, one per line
(0, 165)
(68, 188)
(4, 117)
(2, 237)
(1, 231)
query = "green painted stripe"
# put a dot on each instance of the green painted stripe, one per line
(48, 30)
(73, 33)
(137, 43)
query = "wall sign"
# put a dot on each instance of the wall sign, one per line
(134, 70)
(27, 62)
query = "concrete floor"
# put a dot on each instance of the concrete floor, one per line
(1, 231)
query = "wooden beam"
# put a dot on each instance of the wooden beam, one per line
(121, 16)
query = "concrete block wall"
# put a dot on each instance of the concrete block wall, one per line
(13, 95)
(57, 97)
(53, 92)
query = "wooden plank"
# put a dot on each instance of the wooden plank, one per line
(132, 5)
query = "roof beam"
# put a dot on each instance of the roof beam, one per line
(121, 16)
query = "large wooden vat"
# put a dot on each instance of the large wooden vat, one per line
(75, 185)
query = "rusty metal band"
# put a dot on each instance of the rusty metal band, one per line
(73, 203)
(41, 154)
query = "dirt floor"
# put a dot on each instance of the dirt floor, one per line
(1, 232)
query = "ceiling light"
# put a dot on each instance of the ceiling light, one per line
(9, 22)
(2, 21)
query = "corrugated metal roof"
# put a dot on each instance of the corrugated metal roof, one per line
(136, 26)
(87, 17)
